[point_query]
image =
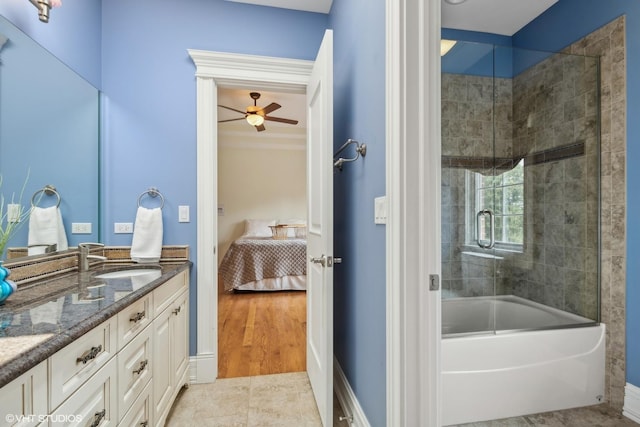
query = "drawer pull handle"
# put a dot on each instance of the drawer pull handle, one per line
(89, 355)
(141, 368)
(137, 317)
(97, 417)
(177, 310)
(144, 424)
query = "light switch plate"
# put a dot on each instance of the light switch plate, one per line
(380, 210)
(183, 213)
(13, 212)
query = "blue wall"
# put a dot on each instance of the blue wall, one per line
(359, 282)
(149, 127)
(563, 24)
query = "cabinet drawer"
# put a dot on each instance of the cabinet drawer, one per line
(94, 403)
(24, 400)
(134, 319)
(164, 294)
(134, 370)
(140, 413)
(73, 365)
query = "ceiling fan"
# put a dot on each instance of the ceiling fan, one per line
(256, 116)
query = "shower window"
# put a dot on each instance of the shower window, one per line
(504, 195)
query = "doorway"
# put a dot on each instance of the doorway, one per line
(261, 182)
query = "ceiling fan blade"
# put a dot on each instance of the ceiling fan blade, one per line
(260, 128)
(271, 107)
(232, 109)
(231, 120)
(281, 120)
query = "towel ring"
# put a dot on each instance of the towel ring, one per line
(152, 192)
(49, 190)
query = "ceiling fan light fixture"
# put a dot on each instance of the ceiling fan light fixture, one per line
(255, 119)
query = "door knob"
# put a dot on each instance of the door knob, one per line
(320, 260)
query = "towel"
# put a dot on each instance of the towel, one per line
(46, 228)
(147, 235)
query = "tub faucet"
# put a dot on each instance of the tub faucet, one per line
(84, 256)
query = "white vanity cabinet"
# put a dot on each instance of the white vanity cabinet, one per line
(24, 398)
(170, 345)
(125, 372)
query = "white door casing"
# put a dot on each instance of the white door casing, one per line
(413, 157)
(215, 69)
(320, 229)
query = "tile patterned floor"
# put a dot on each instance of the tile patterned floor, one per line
(591, 416)
(286, 400)
(282, 400)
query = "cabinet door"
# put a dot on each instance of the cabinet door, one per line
(162, 367)
(95, 403)
(24, 400)
(180, 340)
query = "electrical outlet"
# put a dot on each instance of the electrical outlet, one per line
(123, 227)
(80, 228)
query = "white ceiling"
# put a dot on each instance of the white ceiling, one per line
(320, 6)
(503, 17)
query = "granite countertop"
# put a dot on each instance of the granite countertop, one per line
(38, 321)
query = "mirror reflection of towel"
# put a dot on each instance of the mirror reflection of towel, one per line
(47, 313)
(46, 228)
(147, 235)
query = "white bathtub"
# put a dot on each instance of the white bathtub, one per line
(488, 376)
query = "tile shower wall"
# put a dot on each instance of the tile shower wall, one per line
(609, 43)
(555, 106)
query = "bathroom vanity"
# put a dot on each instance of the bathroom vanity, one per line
(103, 347)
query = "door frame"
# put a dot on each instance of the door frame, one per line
(413, 233)
(215, 69)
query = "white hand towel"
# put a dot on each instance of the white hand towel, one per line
(46, 228)
(147, 235)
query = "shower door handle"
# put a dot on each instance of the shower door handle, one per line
(492, 240)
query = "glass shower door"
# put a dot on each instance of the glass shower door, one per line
(470, 215)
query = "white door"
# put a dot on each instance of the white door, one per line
(320, 229)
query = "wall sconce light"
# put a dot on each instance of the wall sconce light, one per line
(44, 6)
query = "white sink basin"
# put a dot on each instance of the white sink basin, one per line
(122, 274)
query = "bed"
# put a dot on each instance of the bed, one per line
(258, 262)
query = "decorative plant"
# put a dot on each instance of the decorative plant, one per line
(9, 226)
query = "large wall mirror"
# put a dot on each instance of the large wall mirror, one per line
(49, 130)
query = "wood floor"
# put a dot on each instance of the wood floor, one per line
(261, 333)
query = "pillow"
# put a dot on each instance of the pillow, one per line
(258, 227)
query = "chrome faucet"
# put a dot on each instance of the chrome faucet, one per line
(84, 256)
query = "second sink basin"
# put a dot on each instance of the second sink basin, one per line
(121, 274)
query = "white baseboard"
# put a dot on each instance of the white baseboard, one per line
(347, 397)
(631, 408)
(202, 369)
